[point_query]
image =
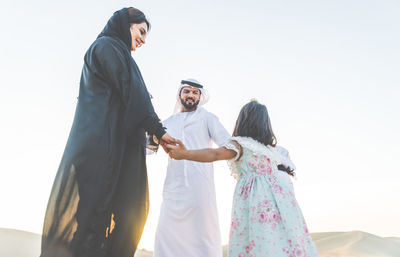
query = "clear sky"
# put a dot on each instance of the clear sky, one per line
(328, 71)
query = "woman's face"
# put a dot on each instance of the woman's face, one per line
(138, 34)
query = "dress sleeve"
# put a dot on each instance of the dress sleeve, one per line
(284, 157)
(111, 66)
(153, 126)
(115, 69)
(233, 163)
(233, 146)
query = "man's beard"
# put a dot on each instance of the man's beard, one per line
(189, 106)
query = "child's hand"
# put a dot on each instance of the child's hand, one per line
(178, 151)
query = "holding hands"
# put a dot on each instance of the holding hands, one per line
(166, 139)
(177, 151)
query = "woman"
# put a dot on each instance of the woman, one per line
(266, 219)
(99, 201)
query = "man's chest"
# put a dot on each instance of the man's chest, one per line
(194, 135)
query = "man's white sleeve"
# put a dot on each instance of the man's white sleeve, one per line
(217, 131)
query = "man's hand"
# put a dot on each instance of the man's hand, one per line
(178, 151)
(167, 139)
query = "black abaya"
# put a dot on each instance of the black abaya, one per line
(99, 201)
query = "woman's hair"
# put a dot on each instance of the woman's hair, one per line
(254, 122)
(136, 16)
(288, 170)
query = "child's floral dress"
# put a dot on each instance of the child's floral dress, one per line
(266, 219)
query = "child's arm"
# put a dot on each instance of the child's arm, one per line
(179, 152)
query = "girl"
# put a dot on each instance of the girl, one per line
(266, 219)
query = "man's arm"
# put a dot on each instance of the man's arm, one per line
(216, 130)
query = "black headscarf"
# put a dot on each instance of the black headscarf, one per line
(118, 26)
(102, 177)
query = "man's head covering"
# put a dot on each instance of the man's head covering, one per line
(204, 96)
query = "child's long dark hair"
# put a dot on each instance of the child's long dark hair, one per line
(254, 122)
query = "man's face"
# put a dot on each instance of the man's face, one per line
(190, 98)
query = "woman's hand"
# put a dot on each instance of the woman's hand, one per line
(178, 151)
(167, 139)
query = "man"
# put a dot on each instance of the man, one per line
(188, 224)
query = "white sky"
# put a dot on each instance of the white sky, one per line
(328, 71)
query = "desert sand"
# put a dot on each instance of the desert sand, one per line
(16, 243)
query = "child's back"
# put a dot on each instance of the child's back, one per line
(266, 220)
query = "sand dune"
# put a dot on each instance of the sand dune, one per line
(15, 243)
(356, 244)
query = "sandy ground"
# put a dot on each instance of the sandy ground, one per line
(15, 243)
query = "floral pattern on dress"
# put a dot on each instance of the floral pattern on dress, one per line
(266, 219)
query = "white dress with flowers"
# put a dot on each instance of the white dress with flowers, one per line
(266, 219)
